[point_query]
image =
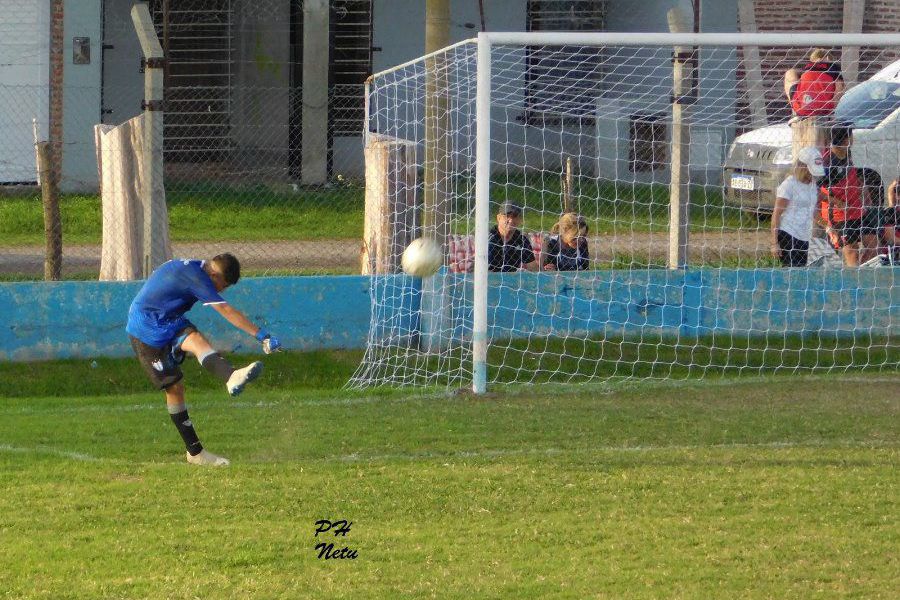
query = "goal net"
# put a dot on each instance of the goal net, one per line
(605, 203)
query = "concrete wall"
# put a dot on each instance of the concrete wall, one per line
(81, 95)
(399, 26)
(87, 319)
(123, 82)
(24, 84)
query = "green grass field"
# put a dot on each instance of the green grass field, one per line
(783, 487)
(205, 212)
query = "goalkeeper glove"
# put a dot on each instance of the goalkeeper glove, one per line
(270, 343)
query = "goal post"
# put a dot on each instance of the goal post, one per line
(524, 108)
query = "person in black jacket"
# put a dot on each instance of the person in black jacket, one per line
(508, 249)
(567, 247)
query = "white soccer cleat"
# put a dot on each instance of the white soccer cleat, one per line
(242, 377)
(207, 459)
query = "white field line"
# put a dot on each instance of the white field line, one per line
(77, 456)
(606, 388)
(502, 453)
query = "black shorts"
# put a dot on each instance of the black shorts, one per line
(877, 218)
(162, 365)
(852, 231)
(794, 252)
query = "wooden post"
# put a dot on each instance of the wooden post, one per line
(679, 186)
(567, 185)
(389, 224)
(153, 199)
(52, 222)
(437, 123)
(436, 209)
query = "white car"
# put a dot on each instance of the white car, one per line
(759, 160)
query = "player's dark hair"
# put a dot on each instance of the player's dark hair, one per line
(229, 266)
(840, 134)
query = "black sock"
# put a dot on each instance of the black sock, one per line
(186, 429)
(218, 365)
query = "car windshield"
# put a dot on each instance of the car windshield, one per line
(869, 103)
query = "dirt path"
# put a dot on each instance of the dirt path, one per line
(344, 253)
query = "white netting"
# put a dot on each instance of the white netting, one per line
(587, 129)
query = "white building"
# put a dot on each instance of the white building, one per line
(235, 76)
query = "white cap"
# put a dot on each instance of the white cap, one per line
(812, 158)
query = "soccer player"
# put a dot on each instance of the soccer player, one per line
(161, 335)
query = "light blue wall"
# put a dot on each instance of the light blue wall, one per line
(87, 319)
(81, 94)
(699, 303)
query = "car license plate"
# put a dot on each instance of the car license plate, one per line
(742, 182)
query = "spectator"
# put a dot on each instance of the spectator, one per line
(508, 249)
(843, 201)
(815, 91)
(795, 204)
(885, 220)
(567, 247)
(813, 94)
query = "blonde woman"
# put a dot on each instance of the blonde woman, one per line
(795, 205)
(567, 247)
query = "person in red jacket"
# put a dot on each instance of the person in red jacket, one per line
(816, 89)
(844, 203)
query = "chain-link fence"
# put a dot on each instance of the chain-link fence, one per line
(261, 145)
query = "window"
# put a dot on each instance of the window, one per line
(649, 143)
(197, 38)
(563, 83)
(351, 64)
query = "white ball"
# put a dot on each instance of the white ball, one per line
(422, 258)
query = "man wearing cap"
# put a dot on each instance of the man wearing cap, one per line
(508, 249)
(795, 204)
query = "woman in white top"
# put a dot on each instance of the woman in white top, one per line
(795, 202)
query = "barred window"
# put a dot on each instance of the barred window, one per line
(351, 64)
(564, 82)
(198, 39)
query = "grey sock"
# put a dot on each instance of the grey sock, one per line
(216, 364)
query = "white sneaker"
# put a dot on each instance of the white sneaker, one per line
(207, 459)
(242, 377)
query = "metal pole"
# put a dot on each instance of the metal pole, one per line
(482, 213)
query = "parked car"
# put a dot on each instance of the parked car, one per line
(759, 160)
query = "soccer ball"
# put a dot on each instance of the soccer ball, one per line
(422, 258)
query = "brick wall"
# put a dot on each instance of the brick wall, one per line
(817, 16)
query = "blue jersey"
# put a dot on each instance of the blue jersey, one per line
(156, 315)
